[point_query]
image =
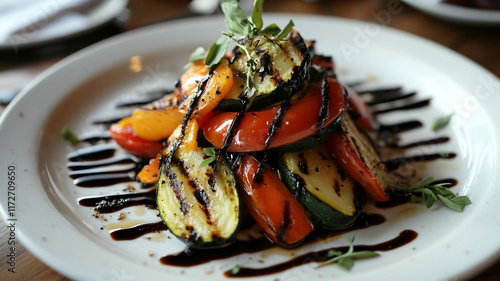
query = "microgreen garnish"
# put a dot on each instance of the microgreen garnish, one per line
(69, 136)
(346, 260)
(429, 192)
(243, 31)
(210, 152)
(441, 122)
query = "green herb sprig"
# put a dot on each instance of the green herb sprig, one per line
(426, 191)
(69, 136)
(236, 269)
(346, 260)
(242, 31)
(210, 152)
(441, 122)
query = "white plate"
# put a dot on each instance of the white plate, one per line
(85, 86)
(101, 14)
(457, 14)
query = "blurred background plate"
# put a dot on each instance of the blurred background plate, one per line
(41, 16)
(457, 14)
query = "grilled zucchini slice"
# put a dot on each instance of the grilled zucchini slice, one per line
(199, 205)
(281, 67)
(331, 197)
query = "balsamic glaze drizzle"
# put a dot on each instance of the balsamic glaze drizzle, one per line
(94, 137)
(92, 153)
(405, 237)
(119, 159)
(191, 257)
(108, 121)
(420, 143)
(137, 231)
(393, 96)
(102, 180)
(414, 105)
(115, 202)
(398, 162)
(399, 127)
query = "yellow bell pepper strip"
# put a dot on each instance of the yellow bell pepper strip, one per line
(123, 133)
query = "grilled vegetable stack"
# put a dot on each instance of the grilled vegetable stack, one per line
(265, 127)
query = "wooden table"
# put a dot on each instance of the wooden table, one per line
(479, 44)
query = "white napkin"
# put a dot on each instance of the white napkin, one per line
(25, 21)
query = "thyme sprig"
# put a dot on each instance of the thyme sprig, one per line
(427, 191)
(346, 260)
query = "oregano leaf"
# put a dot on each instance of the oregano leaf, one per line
(236, 20)
(271, 29)
(209, 151)
(448, 203)
(441, 122)
(346, 263)
(207, 161)
(346, 260)
(431, 193)
(217, 50)
(424, 182)
(257, 14)
(198, 54)
(286, 30)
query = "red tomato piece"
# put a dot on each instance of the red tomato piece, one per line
(299, 122)
(272, 204)
(125, 137)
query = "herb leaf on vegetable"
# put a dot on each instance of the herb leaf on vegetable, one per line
(210, 152)
(426, 191)
(217, 50)
(198, 54)
(242, 31)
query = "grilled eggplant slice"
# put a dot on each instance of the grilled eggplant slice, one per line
(199, 205)
(331, 197)
(281, 68)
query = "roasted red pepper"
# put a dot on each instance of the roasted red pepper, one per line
(299, 122)
(348, 159)
(126, 138)
(272, 205)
